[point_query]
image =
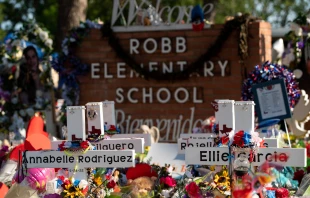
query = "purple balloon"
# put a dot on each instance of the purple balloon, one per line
(36, 177)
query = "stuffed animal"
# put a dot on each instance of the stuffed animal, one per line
(141, 186)
(144, 129)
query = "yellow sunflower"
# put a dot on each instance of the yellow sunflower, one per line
(73, 192)
(98, 181)
(222, 178)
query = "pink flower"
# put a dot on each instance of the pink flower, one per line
(193, 190)
(169, 181)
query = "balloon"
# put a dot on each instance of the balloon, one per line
(7, 171)
(21, 191)
(36, 125)
(37, 141)
(36, 177)
(3, 190)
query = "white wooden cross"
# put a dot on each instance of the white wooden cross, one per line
(242, 119)
(92, 158)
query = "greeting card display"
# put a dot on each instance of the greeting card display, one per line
(271, 100)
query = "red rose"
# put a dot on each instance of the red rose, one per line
(238, 138)
(112, 128)
(84, 145)
(107, 177)
(62, 178)
(193, 190)
(111, 184)
(169, 181)
(282, 193)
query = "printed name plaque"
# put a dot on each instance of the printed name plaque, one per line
(99, 159)
(220, 156)
(194, 141)
(136, 144)
(147, 137)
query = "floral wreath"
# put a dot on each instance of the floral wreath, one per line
(13, 112)
(269, 72)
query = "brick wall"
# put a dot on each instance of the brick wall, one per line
(96, 49)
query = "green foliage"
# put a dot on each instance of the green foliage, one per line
(13, 12)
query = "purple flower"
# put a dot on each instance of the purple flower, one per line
(52, 196)
(300, 44)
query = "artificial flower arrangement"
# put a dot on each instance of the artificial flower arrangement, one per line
(75, 146)
(13, 112)
(297, 41)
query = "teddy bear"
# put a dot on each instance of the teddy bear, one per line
(141, 186)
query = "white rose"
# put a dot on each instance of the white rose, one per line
(49, 43)
(43, 35)
(166, 193)
(30, 112)
(22, 113)
(83, 184)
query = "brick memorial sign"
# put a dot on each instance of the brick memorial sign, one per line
(174, 106)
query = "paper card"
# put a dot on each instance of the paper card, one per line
(171, 157)
(100, 159)
(95, 120)
(271, 142)
(220, 156)
(184, 143)
(225, 117)
(76, 123)
(244, 116)
(51, 186)
(109, 112)
(147, 137)
(136, 144)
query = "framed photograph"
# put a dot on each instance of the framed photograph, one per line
(271, 101)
